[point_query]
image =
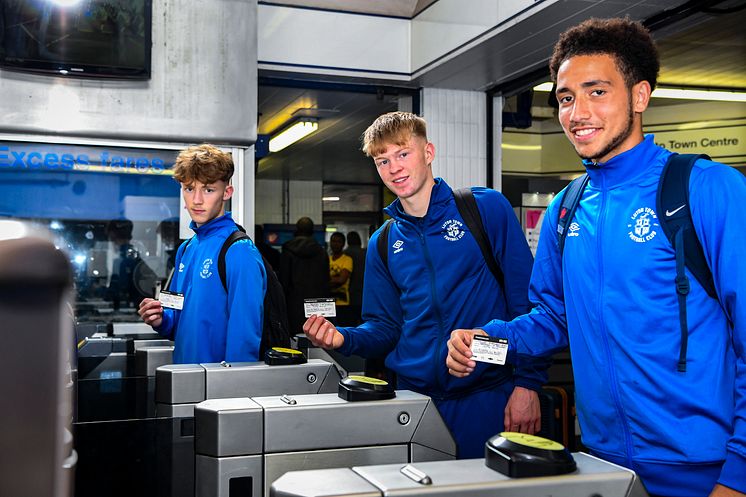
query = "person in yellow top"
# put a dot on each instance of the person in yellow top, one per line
(340, 269)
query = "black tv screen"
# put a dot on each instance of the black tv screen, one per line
(86, 38)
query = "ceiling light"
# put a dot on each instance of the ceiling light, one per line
(725, 96)
(510, 146)
(298, 130)
(330, 199)
(544, 86)
(66, 3)
(681, 93)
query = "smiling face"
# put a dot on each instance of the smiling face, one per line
(600, 115)
(405, 169)
(205, 201)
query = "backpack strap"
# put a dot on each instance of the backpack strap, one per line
(569, 205)
(673, 199)
(239, 234)
(467, 207)
(382, 244)
(675, 218)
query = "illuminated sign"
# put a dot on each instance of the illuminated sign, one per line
(32, 156)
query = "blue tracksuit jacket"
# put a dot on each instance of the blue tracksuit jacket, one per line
(615, 301)
(437, 281)
(214, 326)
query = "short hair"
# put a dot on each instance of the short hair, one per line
(338, 234)
(304, 226)
(353, 238)
(204, 163)
(627, 41)
(120, 229)
(393, 127)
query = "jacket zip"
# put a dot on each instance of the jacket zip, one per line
(613, 382)
(436, 306)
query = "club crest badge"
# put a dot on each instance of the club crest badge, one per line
(453, 230)
(643, 225)
(205, 271)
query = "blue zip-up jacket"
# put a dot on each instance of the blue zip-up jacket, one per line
(614, 297)
(214, 325)
(437, 281)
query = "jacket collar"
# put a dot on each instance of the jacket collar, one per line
(210, 228)
(439, 197)
(625, 167)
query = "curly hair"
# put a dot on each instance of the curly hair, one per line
(627, 41)
(204, 163)
(393, 127)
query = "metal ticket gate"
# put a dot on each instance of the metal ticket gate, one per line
(180, 387)
(115, 357)
(115, 425)
(116, 377)
(464, 478)
(36, 364)
(345, 364)
(244, 444)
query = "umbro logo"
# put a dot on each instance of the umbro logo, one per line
(398, 246)
(671, 213)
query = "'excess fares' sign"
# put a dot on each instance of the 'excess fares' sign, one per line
(33, 156)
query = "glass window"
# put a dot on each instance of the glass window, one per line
(115, 211)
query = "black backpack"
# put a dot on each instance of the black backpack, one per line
(275, 328)
(467, 207)
(672, 205)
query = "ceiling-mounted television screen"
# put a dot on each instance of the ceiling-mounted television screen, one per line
(85, 38)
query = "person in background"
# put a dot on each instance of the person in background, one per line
(304, 272)
(130, 278)
(656, 393)
(357, 253)
(340, 272)
(215, 324)
(268, 251)
(437, 277)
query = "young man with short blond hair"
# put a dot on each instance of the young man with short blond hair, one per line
(216, 323)
(436, 277)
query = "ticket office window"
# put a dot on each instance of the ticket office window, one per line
(114, 211)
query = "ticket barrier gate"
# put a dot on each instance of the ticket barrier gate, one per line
(116, 377)
(180, 387)
(113, 357)
(244, 444)
(36, 365)
(345, 364)
(115, 425)
(464, 478)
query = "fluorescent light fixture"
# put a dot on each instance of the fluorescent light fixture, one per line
(330, 199)
(544, 86)
(681, 93)
(292, 134)
(725, 96)
(66, 3)
(510, 146)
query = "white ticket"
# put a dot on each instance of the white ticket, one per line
(321, 307)
(171, 300)
(489, 349)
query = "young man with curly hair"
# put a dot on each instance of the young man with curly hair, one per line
(216, 323)
(675, 414)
